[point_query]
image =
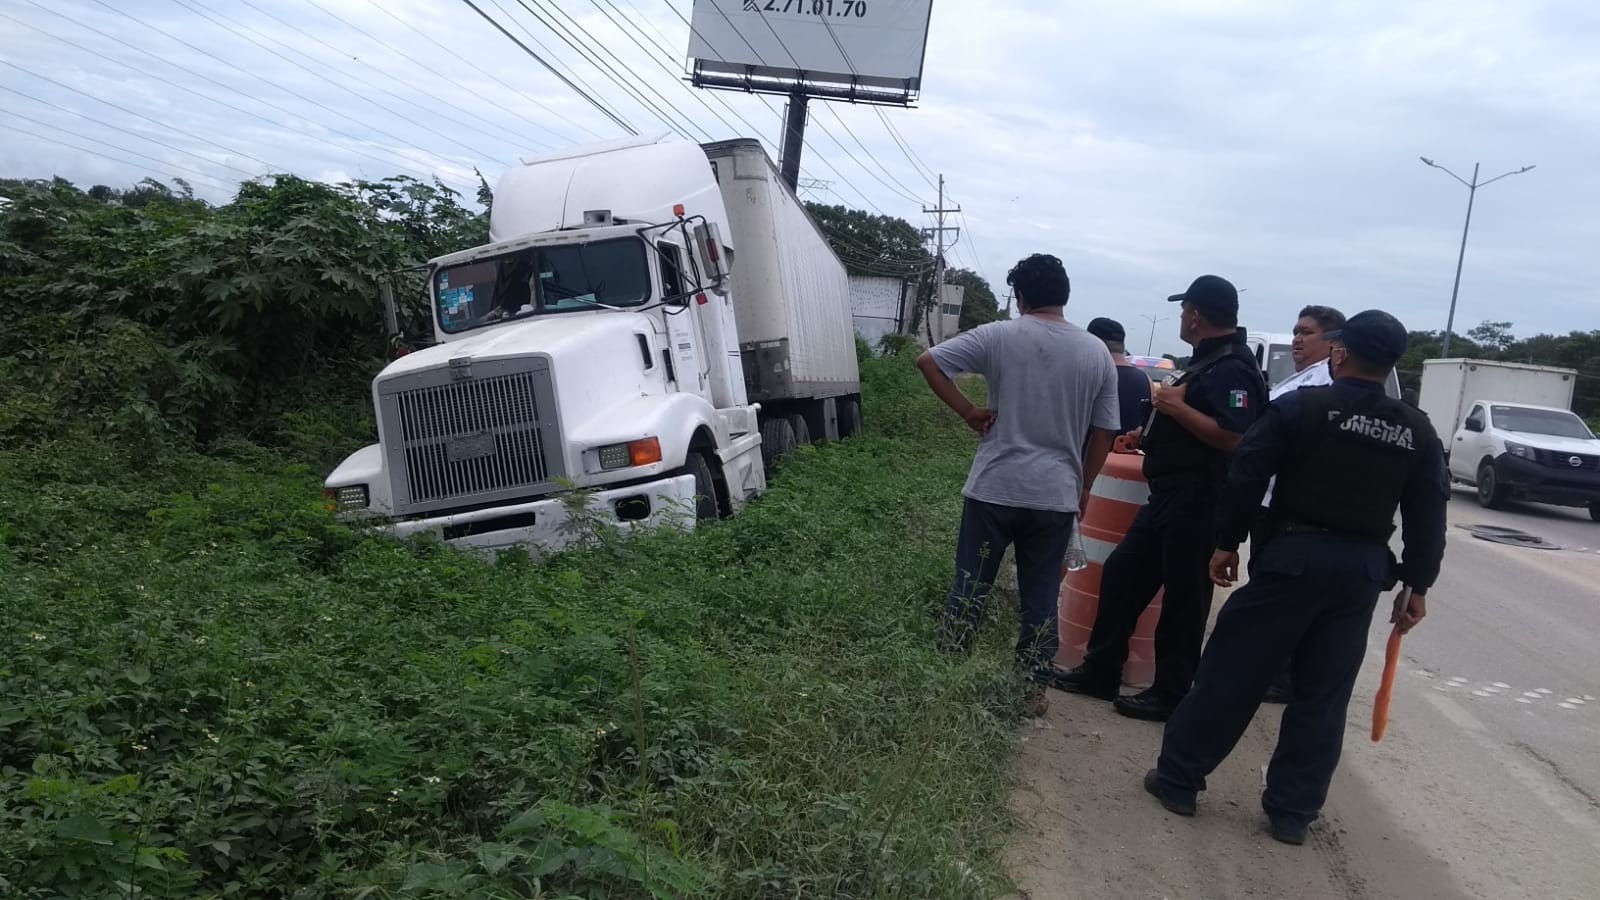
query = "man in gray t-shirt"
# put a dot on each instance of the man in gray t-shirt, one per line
(1050, 382)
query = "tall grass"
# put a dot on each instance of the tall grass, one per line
(210, 689)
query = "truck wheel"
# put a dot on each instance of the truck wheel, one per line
(777, 440)
(1491, 495)
(802, 431)
(705, 486)
(849, 418)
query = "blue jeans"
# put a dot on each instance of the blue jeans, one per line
(1040, 539)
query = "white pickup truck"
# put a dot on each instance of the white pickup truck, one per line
(1517, 451)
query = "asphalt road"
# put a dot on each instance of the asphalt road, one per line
(1491, 764)
(1485, 786)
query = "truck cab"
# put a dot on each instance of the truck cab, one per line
(1519, 451)
(588, 351)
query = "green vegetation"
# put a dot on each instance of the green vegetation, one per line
(208, 688)
(1493, 340)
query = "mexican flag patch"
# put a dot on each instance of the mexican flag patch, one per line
(1238, 399)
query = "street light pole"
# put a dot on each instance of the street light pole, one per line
(1461, 256)
(1150, 347)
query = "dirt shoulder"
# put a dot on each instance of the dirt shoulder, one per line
(1088, 830)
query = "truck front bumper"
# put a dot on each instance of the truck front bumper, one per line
(1540, 483)
(548, 525)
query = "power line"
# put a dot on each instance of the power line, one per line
(402, 142)
(20, 130)
(905, 147)
(406, 164)
(693, 93)
(480, 128)
(564, 79)
(903, 191)
(163, 125)
(768, 103)
(203, 13)
(470, 64)
(629, 84)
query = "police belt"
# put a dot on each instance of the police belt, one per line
(1285, 529)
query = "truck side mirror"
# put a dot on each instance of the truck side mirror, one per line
(1475, 425)
(708, 258)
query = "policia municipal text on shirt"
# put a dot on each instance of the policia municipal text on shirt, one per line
(1195, 422)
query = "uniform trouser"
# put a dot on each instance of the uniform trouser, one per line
(1040, 539)
(1260, 533)
(1311, 599)
(1169, 545)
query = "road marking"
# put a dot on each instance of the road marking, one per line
(1566, 706)
(1546, 691)
(1575, 701)
(1482, 694)
(1523, 700)
(1501, 685)
(1533, 695)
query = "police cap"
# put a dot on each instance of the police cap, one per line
(1213, 297)
(1372, 335)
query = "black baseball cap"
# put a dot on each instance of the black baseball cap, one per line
(1107, 329)
(1372, 335)
(1214, 296)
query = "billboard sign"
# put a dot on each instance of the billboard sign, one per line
(872, 43)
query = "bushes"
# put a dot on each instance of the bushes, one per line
(212, 689)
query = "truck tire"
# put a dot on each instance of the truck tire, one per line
(1491, 494)
(802, 431)
(705, 486)
(849, 418)
(777, 440)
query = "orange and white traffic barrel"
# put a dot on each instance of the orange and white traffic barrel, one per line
(1115, 499)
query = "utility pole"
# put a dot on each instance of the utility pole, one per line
(937, 233)
(1472, 192)
(1010, 296)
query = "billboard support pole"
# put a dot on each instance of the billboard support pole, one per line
(794, 131)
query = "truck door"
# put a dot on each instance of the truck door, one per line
(1468, 447)
(685, 344)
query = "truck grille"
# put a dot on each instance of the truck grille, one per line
(460, 442)
(1556, 460)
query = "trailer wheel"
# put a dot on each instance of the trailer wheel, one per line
(849, 418)
(777, 440)
(705, 486)
(802, 431)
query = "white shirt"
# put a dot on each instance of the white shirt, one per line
(1314, 375)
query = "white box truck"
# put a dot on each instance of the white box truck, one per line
(653, 322)
(1509, 431)
(1449, 386)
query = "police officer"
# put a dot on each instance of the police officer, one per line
(1345, 456)
(1196, 422)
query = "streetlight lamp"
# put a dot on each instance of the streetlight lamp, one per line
(1150, 347)
(1472, 192)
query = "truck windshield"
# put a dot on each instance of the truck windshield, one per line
(542, 280)
(1540, 421)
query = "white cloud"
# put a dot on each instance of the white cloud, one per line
(1272, 142)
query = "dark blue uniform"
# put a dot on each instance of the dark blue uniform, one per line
(1312, 592)
(1167, 546)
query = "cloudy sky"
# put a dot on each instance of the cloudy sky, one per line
(1270, 141)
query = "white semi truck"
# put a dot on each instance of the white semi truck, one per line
(653, 322)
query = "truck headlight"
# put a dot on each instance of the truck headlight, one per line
(349, 497)
(1521, 451)
(642, 452)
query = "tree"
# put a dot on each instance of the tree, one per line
(872, 245)
(978, 303)
(1494, 336)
